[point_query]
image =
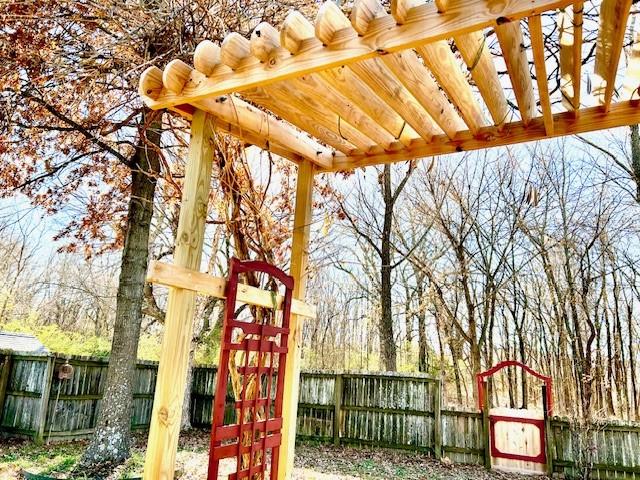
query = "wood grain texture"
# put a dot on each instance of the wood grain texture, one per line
(613, 23)
(206, 57)
(424, 25)
(512, 44)
(299, 272)
(566, 38)
(408, 69)
(590, 119)
(309, 116)
(379, 78)
(253, 120)
(174, 357)
(444, 66)
(537, 45)
(332, 99)
(578, 15)
(631, 86)
(475, 53)
(179, 277)
(357, 91)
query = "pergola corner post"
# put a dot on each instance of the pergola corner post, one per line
(174, 357)
(299, 258)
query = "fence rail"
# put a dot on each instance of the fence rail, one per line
(388, 410)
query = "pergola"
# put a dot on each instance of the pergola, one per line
(343, 93)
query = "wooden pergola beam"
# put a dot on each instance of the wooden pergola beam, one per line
(250, 139)
(160, 273)
(297, 32)
(537, 45)
(509, 35)
(613, 24)
(475, 53)
(424, 25)
(407, 67)
(236, 112)
(590, 120)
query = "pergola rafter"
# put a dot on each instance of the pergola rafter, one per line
(348, 92)
(343, 92)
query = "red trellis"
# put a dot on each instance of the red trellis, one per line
(269, 343)
(480, 377)
(493, 419)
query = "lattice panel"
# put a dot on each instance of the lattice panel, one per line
(253, 357)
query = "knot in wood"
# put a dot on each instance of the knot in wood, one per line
(163, 416)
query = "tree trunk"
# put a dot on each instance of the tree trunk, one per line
(111, 440)
(185, 421)
(387, 340)
(635, 158)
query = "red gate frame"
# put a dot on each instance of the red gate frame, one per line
(268, 430)
(493, 419)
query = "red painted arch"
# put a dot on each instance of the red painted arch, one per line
(480, 379)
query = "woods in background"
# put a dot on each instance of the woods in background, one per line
(528, 254)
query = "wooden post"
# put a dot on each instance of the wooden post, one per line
(174, 356)
(4, 380)
(299, 257)
(337, 407)
(437, 420)
(485, 426)
(44, 402)
(548, 433)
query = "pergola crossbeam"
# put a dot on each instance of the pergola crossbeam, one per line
(565, 123)
(174, 276)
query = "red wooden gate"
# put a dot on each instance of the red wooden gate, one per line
(262, 348)
(539, 423)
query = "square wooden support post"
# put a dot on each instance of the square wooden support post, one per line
(174, 357)
(299, 257)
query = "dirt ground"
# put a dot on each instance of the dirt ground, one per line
(312, 462)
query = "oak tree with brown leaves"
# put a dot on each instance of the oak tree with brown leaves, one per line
(74, 134)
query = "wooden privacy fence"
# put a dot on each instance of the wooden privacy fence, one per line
(387, 410)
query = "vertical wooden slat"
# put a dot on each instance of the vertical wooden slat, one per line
(547, 432)
(567, 42)
(44, 399)
(337, 408)
(537, 45)
(578, 10)
(174, 357)
(4, 381)
(437, 419)
(299, 259)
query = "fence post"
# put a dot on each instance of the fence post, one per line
(437, 420)
(486, 426)
(337, 407)
(44, 403)
(4, 381)
(548, 433)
